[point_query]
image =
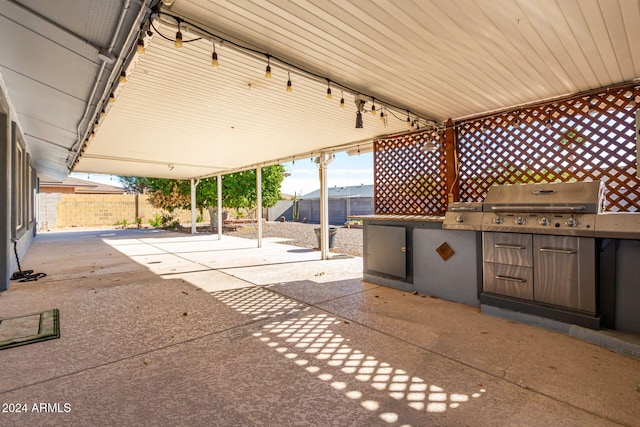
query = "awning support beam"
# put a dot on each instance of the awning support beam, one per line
(259, 203)
(219, 182)
(323, 161)
(194, 184)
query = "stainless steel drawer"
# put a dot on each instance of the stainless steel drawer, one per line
(565, 271)
(508, 248)
(510, 280)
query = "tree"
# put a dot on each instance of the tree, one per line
(238, 190)
(134, 184)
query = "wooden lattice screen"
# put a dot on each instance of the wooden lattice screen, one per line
(586, 138)
(408, 178)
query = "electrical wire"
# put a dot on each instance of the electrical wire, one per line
(24, 275)
(288, 64)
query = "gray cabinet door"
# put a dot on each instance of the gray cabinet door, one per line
(386, 248)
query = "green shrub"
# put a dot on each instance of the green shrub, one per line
(156, 221)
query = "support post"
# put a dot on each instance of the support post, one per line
(451, 167)
(323, 161)
(193, 206)
(219, 182)
(259, 203)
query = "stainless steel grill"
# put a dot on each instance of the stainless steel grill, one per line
(567, 209)
(539, 249)
(463, 216)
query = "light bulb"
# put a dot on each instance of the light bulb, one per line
(140, 48)
(214, 58)
(289, 87)
(329, 95)
(178, 42)
(123, 77)
(373, 109)
(103, 114)
(381, 115)
(409, 124)
(267, 73)
(342, 101)
(112, 99)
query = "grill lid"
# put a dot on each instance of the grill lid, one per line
(578, 197)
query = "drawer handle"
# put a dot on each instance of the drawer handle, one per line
(503, 246)
(558, 251)
(510, 279)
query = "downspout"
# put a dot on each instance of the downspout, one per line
(105, 60)
(134, 28)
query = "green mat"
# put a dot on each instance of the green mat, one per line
(21, 330)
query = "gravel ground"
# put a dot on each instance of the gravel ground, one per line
(348, 240)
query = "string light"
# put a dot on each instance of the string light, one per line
(214, 57)
(140, 48)
(267, 72)
(178, 42)
(342, 100)
(548, 122)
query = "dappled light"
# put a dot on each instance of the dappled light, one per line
(258, 303)
(310, 343)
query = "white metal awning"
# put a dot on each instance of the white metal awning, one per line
(179, 117)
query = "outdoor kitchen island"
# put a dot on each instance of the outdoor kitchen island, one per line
(414, 253)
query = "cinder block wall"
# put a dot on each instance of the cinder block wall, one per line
(75, 210)
(78, 210)
(338, 208)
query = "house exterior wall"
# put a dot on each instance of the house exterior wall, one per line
(17, 191)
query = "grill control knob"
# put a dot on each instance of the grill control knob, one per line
(520, 221)
(544, 221)
(498, 220)
(572, 222)
(459, 218)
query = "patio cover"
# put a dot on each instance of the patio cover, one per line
(179, 117)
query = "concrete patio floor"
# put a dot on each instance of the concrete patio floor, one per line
(162, 328)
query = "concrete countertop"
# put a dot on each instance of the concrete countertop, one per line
(411, 218)
(618, 225)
